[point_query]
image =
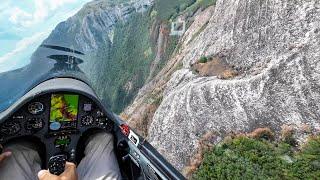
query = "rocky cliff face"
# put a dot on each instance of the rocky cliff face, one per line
(273, 45)
(94, 25)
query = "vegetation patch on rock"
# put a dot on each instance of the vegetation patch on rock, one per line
(253, 157)
(214, 66)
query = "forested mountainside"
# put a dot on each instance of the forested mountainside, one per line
(126, 43)
(239, 66)
(115, 36)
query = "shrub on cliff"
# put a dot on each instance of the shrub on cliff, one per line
(248, 158)
(203, 59)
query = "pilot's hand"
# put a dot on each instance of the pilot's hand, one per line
(69, 173)
(4, 155)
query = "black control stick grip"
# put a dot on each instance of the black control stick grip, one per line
(57, 164)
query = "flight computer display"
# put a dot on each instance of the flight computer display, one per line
(63, 111)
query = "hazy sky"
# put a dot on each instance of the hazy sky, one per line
(24, 24)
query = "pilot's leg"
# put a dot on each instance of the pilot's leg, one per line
(99, 161)
(23, 164)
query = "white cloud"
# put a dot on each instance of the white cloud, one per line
(57, 3)
(68, 14)
(41, 11)
(5, 9)
(4, 5)
(19, 15)
(22, 45)
(43, 8)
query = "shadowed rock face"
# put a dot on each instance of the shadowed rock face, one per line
(276, 44)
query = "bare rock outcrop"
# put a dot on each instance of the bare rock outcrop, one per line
(275, 44)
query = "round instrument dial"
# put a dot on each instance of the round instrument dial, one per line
(35, 108)
(87, 120)
(34, 124)
(10, 128)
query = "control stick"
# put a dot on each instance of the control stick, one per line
(57, 164)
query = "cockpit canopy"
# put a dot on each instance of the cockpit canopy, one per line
(47, 62)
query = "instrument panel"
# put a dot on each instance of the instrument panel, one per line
(57, 119)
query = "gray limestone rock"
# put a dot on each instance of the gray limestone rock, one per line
(276, 44)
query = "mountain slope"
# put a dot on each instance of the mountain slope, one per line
(274, 48)
(259, 66)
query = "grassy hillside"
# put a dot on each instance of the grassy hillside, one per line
(249, 158)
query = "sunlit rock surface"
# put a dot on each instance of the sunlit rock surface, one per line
(93, 26)
(275, 45)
